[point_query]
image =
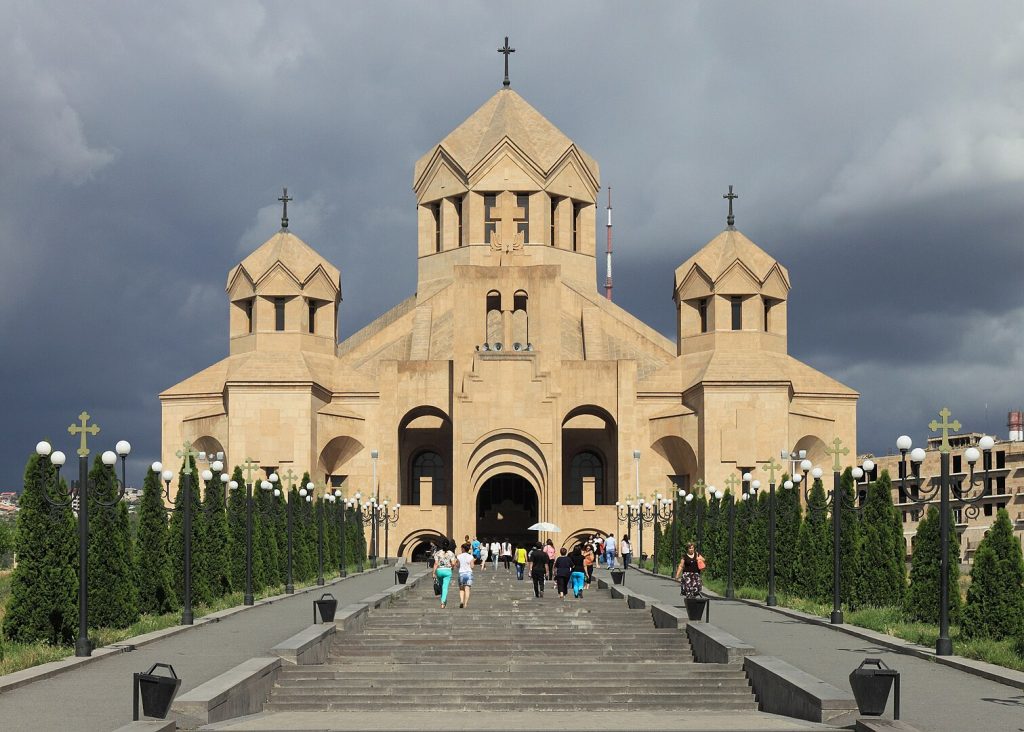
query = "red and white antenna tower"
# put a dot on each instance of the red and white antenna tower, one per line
(608, 256)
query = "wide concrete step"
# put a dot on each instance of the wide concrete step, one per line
(573, 703)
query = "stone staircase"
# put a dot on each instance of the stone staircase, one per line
(510, 652)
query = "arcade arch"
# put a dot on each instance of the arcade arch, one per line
(589, 449)
(425, 457)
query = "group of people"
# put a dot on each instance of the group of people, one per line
(569, 570)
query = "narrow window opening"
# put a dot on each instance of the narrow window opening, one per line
(702, 308)
(248, 314)
(576, 208)
(435, 210)
(554, 218)
(767, 309)
(279, 313)
(737, 312)
(458, 218)
(523, 219)
(490, 223)
(493, 318)
(312, 316)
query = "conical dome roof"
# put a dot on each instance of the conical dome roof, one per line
(295, 255)
(505, 115)
(719, 255)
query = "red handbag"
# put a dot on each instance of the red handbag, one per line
(701, 564)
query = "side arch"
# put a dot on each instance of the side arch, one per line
(678, 462)
(578, 537)
(414, 538)
(816, 451)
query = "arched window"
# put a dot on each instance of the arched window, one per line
(494, 327)
(520, 319)
(427, 464)
(586, 464)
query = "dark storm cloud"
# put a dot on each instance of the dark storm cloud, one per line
(877, 150)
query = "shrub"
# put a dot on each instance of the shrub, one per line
(995, 600)
(922, 601)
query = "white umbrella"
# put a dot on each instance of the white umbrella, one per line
(544, 526)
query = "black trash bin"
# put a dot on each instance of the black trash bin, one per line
(157, 692)
(618, 576)
(401, 575)
(326, 606)
(696, 607)
(871, 687)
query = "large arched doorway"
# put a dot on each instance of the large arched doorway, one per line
(505, 506)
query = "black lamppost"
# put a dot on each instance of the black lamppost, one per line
(249, 467)
(388, 517)
(836, 502)
(187, 454)
(771, 467)
(944, 644)
(375, 501)
(658, 513)
(699, 490)
(624, 512)
(81, 493)
(732, 482)
(346, 504)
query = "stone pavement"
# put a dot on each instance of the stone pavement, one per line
(934, 697)
(97, 696)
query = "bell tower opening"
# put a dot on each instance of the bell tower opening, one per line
(505, 506)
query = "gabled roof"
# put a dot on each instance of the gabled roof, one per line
(506, 115)
(721, 253)
(298, 258)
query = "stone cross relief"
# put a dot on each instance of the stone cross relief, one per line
(506, 216)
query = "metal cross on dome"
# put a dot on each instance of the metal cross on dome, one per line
(506, 50)
(284, 199)
(945, 426)
(730, 219)
(83, 429)
(836, 451)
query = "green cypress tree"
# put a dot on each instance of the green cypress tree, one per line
(215, 539)
(281, 534)
(152, 569)
(715, 544)
(355, 549)
(757, 547)
(113, 595)
(236, 531)
(331, 512)
(849, 539)
(814, 551)
(6, 542)
(922, 602)
(265, 557)
(882, 576)
(995, 599)
(176, 539)
(43, 605)
(788, 517)
(741, 543)
(305, 538)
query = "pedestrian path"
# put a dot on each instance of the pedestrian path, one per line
(935, 697)
(97, 697)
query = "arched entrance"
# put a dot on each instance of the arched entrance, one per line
(505, 505)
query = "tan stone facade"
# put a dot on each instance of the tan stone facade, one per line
(506, 390)
(1005, 488)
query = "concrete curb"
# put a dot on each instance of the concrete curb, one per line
(988, 671)
(44, 671)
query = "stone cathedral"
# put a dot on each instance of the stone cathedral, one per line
(506, 390)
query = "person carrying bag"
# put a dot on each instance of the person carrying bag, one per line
(688, 572)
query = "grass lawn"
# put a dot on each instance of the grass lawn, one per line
(891, 621)
(18, 656)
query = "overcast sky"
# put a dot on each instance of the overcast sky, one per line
(877, 148)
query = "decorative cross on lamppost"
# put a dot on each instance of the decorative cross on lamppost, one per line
(57, 458)
(922, 496)
(290, 477)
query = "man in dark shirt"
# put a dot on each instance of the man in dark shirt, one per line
(538, 568)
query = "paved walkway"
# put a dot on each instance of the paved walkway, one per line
(97, 696)
(934, 697)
